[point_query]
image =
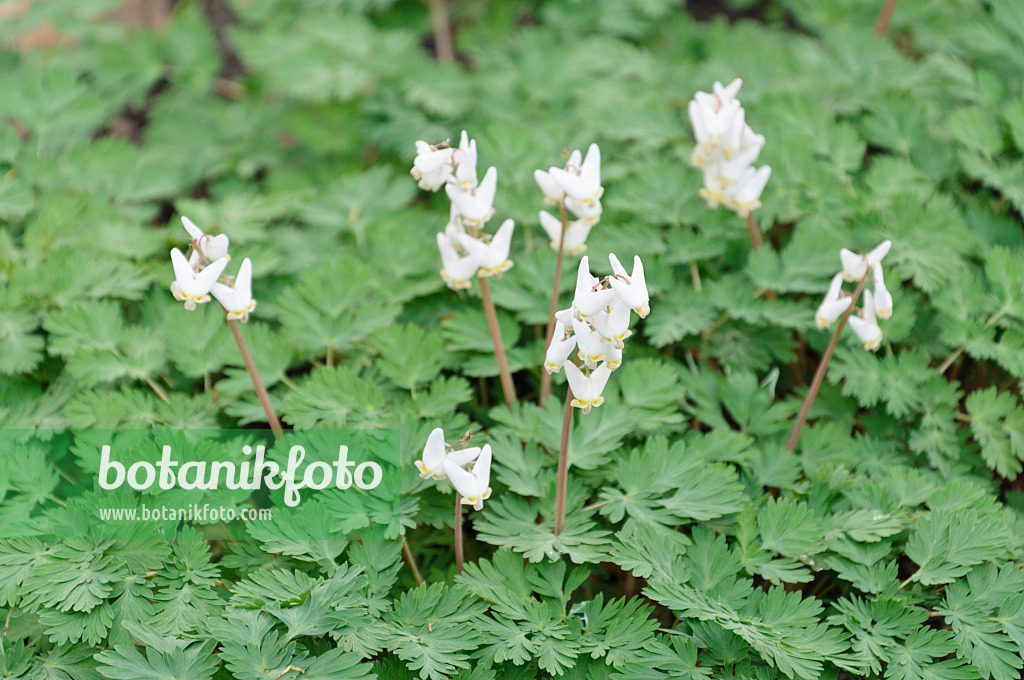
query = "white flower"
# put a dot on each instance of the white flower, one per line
(631, 289)
(492, 257)
(211, 247)
(584, 183)
(559, 349)
(456, 270)
(431, 167)
(588, 211)
(477, 206)
(865, 325)
(553, 192)
(237, 299)
(576, 233)
(586, 389)
(856, 266)
(833, 305)
(465, 163)
(613, 325)
(436, 452)
(190, 286)
(586, 300)
(746, 197)
(883, 300)
(592, 347)
(474, 485)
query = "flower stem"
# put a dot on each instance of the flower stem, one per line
(884, 17)
(458, 533)
(757, 242)
(507, 386)
(545, 377)
(261, 391)
(444, 49)
(695, 277)
(158, 390)
(755, 231)
(951, 359)
(411, 561)
(822, 367)
(562, 485)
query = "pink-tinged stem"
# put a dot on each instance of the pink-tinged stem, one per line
(507, 386)
(562, 485)
(261, 391)
(884, 17)
(545, 377)
(819, 376)
(755, 231)
(458, 533)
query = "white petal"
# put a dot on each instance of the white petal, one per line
(193, 231)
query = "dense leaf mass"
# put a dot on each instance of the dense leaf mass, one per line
(887, 545)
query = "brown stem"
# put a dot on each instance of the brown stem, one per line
(261, 391)
(562, 485)
(755, 231)
(411, 562)
(458, 532)
(444, 49)
(884, 17)
(507, 386)
(822, 367)
(545, 377)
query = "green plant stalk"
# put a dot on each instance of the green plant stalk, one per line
(458, 533)
(508, 388)
(545, 377)
(819, 376)
(562, 484)
(257, 383)
(411, 561)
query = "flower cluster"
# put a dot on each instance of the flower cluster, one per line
(726, 150)
(577, 186)
(876, 304)
(466, 250)
(442, 461)
(198, 276)
(596, 326)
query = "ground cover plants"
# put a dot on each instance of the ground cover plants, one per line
(722, 504)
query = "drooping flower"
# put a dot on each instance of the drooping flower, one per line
(632, 289)
(492, 257)
(833, 305)
(237, 299)
(883, 300)
(856, 266)
(465, 163)
(457, 270)
(726, 150)
(210, 247)
(436, 452)
(583, 184)
(576, 233)
(592, 347)
(474, 485)
(613, 325)
(866, 326)
(588, 300)
(587, 389)
(559, 350)
(191, 286)
(477, 206)
(553, 192)
(432, 166)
